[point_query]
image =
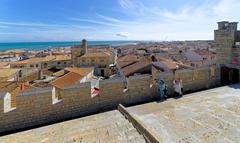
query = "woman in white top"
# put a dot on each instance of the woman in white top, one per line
(177, 85)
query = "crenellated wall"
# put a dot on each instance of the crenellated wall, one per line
(192, 80)
(34, 107)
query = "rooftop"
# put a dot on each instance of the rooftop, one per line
(97, 54)
(43, 59)
(67, 79)
(56, 58)
(135, 67)
(31, 60)
(80, 71)
(8, 72)
(73, 76)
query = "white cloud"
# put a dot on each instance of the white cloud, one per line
(147, 22)
(122, 35)
(227, 9)
(186, 23)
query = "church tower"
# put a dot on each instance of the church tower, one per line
(78, 51)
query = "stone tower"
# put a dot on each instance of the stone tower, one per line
(226, 39)
(84, 47)
(78, 51)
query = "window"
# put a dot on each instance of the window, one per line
(31, 66)
(93, 60)
(65, 63)
(36, 65)
(45, 65)
(58, 63)
(102, 60)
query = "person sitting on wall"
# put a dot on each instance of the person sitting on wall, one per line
(177, 85)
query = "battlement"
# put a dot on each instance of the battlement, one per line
(192, 79)
(225, 25)
(35, 106)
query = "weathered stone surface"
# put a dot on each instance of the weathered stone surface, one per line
(35, 107)
(208, 116)
(109, 127)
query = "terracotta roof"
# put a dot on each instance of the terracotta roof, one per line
(31, 60)
(80, 71)
(43, 59)
(6, 84)
(8, 72)
(124, 64)
(129, 57)
(56, 58)
(127, 60)
(14, 92)
(204, 52)
(67, 79)
(168, 63)
(4, 64)
(131, 69)
(98, 54)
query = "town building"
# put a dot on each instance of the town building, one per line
(55, 61)
(73, 76)
(102, 60)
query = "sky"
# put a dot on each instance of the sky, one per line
(72, 20)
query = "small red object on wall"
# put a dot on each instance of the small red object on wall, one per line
(234, 61)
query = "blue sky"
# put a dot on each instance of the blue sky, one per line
(72, 20)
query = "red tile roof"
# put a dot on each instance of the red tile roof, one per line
(67, 79)
(128, 58)
(129, 70)
(80, 71)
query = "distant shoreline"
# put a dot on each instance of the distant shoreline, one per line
(49, 45)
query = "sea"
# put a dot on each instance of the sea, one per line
(49, 45)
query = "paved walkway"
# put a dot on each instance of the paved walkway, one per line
(109, 127)
(211, 116)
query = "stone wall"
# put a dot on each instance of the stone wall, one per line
(35, 75)
(34, 107)
(193, 80)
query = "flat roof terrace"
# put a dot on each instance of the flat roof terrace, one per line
(207, 116)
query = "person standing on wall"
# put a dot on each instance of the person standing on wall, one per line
(178, 88)
(162, 89)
